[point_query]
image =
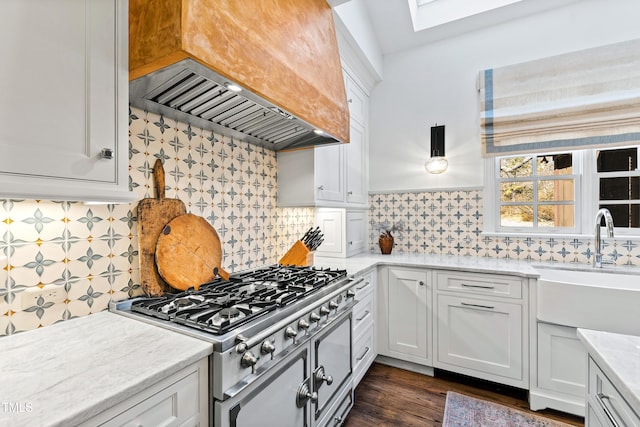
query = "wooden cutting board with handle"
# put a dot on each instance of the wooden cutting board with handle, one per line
(189, 252)
(153, 215)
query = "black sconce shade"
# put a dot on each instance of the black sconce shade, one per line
(437, 141)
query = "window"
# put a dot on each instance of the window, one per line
(619, 185)
(561, 192)
(537, 192)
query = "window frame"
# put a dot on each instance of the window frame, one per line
(586, 200)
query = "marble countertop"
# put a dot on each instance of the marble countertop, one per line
(360, 263)
(66, 373)
(619, 358)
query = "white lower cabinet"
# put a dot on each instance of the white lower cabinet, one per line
(404, 314)
(605, 405)
(479, 334)
(179, 400)
(364, 327)
(561, 370)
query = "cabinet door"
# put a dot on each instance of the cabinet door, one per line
(331, 222)
(356, 165)
(356, 231)
(329, 173)
(62, 95)
(481, 338)
(406, 315)
(562, 360)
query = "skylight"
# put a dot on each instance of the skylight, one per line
(432, 13)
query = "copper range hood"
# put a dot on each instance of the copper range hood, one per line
(184, 54)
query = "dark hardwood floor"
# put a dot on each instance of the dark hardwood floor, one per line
(390, 396)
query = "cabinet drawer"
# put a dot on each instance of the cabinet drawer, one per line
(363, 354)
(363, 313)
(480, 284)
(604, 396)
(176, 401)
(367, 285)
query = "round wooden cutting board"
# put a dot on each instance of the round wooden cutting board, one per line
(189, 253)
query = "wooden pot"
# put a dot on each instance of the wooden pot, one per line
(386, 244)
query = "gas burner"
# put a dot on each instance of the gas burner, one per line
(229, 313)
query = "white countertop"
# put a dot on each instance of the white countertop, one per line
(360, 263)
(619, 358)
(66, 373)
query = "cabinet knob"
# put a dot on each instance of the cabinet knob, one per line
(349, 192)
(351, 243)
(350, 101)
(106, 153)
(321, 187)
(421, 283)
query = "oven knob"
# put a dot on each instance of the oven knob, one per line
(351, 294)
(321, 376)
(249, 360)
(290, 332)
(333, 305)
(314, 317)
(303, 324)
(267, 347)
(241, 348)
(324, 311)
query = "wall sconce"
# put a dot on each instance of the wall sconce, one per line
(438, 162)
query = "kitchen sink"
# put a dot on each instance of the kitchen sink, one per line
(594, 299)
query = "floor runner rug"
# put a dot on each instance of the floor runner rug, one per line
(461, 411)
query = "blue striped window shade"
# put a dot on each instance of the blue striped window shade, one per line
(583, 99)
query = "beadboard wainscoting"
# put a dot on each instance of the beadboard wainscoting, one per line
(87, 255)
(450, 223)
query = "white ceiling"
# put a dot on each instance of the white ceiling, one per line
(391, 20)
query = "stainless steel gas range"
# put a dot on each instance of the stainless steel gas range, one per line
(281, 338)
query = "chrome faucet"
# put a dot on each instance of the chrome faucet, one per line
(608, 221)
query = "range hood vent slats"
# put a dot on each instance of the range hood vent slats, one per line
(189, 92)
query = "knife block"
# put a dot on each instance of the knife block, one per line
(298, 255)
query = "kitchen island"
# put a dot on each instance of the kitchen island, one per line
(70, 372)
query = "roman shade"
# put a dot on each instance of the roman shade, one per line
(577, 100)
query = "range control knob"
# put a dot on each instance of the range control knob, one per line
(267, 347)
(333, 305)
(290, 333)
(303, 325)
(249, 360)
(314, 317)
(324, 311)
(351, 294)
(241, 348)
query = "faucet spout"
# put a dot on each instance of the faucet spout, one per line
(608, 221)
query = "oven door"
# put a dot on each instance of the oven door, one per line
(273, 400)
(331, 364)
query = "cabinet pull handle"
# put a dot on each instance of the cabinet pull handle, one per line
(366, 313)
(476, 286)
(349, 192)
(321, 187)
(366, 350)
(106, 153)
(601, 398)
(488, 307)
(363, 286)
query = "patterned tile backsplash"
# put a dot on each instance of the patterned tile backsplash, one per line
(450, 222)
(83, 256)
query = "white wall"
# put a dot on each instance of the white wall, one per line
(355, 20)
(436, 83)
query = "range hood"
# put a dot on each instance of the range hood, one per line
(283, 54)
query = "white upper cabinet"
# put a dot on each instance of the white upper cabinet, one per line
(330, 176)
(64, 103)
